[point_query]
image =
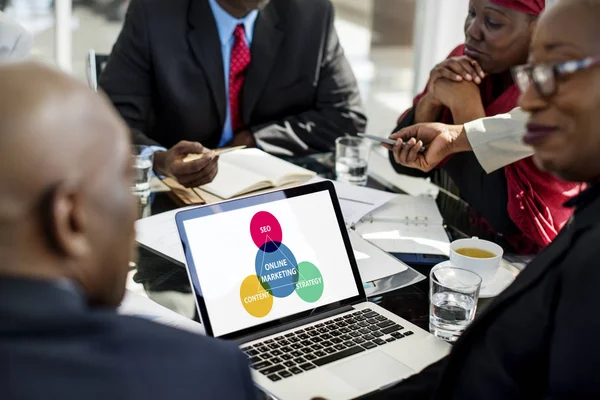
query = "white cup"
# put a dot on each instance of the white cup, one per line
(486, 268)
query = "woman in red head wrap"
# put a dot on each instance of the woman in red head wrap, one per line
(520, 206)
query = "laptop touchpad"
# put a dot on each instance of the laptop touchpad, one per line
(373, 370)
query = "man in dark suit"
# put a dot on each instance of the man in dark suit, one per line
(66, 237)
(267, 73)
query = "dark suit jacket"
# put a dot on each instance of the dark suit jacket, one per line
(165, 76)
(52, 346)
(538, 339)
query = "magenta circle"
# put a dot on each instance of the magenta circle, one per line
(265, 229)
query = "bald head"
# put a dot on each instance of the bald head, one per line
(581, 11)
(64, 181)
(49, 124)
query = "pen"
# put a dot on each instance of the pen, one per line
(194, 157)
(405, 220)
(386, 219)
(356, 201)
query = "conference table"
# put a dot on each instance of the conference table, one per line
(160, 275)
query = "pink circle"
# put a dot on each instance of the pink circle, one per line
(265, 228)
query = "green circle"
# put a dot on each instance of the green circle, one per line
(310, 282)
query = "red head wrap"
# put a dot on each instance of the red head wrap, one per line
(533, 7)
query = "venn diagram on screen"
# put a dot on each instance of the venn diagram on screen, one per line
(278, 274)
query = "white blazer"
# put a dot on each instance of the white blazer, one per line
(498, 141)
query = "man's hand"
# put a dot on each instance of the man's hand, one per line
(441, 141)
(243, 138)
(189, 174)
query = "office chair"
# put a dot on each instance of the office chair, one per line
(95, 66)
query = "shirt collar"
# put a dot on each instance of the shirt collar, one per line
(226, 23)
(585, 198)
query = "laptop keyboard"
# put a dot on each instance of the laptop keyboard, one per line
(305, 349)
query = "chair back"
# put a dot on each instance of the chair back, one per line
(95, 65)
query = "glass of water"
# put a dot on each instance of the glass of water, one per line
(143, 159)
(453, 295)
(351, 160)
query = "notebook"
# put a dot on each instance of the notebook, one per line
(249, 170)
(407, 224)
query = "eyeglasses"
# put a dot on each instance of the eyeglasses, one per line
(544, 76)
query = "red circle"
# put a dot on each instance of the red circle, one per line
(265, 228)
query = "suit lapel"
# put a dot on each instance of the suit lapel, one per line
(533, 272)
(206, 46)
(265, 46)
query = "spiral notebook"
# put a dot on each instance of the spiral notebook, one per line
(407, 224)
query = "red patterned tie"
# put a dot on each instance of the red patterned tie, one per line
(240, 58)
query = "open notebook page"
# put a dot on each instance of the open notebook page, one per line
(233, 180)
(407, 224)
(271, 168)
(399, 238)
(419, 210)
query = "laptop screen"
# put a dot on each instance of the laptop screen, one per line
(268, 257)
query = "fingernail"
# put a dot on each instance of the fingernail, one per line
(477, 80)
(469, 77)
(482, 74)
(459, 78)
(420, 143)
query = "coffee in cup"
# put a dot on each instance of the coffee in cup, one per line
(476, 255)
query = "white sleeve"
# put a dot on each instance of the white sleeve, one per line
(498, 141)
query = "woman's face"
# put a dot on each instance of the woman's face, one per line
(565, 127)
(497, 37)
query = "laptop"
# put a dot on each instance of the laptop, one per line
(276, 273)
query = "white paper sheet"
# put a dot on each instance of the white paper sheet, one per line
(159, 233)
(139, 306)
(381, 169)
(374, 263)
(357, 201)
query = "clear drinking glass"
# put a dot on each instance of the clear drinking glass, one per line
(143, 159)
(453, 295)
(351, 160)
